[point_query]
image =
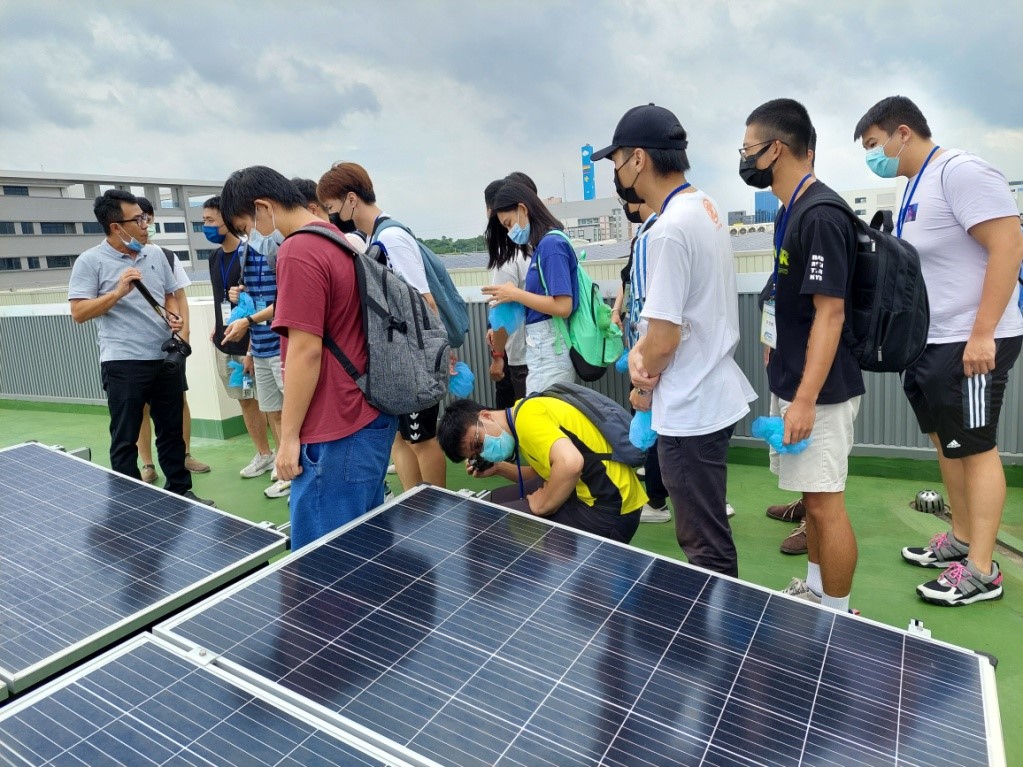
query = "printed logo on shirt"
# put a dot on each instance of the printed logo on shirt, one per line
(712, 212)
(783, 262)
(817, 268)
(911, 213)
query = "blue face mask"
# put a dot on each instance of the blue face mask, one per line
(880, 163)
(134, 245)
(518, 234)
(213, 234)
(497, 449)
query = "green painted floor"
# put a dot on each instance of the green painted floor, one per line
(883, 589)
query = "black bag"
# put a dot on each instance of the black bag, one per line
(886, 314)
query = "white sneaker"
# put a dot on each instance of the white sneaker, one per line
(652, 514)
(729, 511)
(259, 465)
(278, 489)
(391, 469)
(799, 589)
(388, 494)
(641, 472)
(273, 474)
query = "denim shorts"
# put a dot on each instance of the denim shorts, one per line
(340, 480)
(546, 365)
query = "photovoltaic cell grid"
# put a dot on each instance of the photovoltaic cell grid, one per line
(89, 555)
(475, 636)
(145, 704)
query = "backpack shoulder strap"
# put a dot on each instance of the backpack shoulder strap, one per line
(385, 222)
(883, 221)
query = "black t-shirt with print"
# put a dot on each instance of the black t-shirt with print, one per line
(231, 263)
(815, 260)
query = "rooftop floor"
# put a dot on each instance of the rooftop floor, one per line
(879, 509)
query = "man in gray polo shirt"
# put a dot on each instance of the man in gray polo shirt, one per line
(131, 335)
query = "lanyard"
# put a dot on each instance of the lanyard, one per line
(225, 273)
(518, 459)
(779, 231)
(675, 191)
(907, 196)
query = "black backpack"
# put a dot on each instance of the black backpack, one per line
(886, 313)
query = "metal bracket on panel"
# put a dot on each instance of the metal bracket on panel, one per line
(916, 626)
(467, 492)
(202, 656)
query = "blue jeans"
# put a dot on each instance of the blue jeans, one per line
(340, 480)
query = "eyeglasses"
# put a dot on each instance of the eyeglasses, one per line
(476, 446)
(744, 151)
(141, 221)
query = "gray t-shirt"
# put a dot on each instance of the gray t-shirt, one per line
(131, 330)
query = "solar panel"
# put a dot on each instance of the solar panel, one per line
(145, 703)
(89, 556)
(476, 636)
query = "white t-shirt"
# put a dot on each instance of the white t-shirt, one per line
(691, 283)
(957, 191)
(514, 272)
(404, 257)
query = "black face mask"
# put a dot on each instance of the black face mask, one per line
(628, 194)
(346, 227)
(634, 216)
(754, 176)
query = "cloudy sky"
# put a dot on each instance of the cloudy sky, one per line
(436, 97)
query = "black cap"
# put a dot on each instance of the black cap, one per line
(648, 127)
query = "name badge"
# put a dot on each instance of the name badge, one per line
(260, 304)
(768, 326)
(225, 310)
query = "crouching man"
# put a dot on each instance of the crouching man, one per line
(559, 451)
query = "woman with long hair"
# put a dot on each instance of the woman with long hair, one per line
(550, 288)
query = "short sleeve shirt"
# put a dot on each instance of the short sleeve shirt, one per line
(404, 257)
(542, 421)
(225, 273)
(814, 260)
(317, 293)
(130, 330)
(556, 257)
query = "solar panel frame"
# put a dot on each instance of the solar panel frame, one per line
(151, 715)
(170, 630)
(30, 672)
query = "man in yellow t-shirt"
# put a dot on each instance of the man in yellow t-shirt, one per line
(556, 443)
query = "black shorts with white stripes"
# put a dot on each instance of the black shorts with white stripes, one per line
(419, 427)
(962, 411)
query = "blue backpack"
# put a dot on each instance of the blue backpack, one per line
(450, 304)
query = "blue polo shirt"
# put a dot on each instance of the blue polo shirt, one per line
(131, 330)
(558, 261)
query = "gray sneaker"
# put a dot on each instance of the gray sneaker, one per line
(942, 551)
(193, 497)
(799, 589)
(962, 584)
(278, 489)
(259, 465)
(653, 514)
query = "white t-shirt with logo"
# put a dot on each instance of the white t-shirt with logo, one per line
(691, 283)
(956, 192)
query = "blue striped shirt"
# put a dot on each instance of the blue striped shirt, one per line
(261, 285)
(638, 281)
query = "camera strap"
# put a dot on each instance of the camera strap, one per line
(160, 309)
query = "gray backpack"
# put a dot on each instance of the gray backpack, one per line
(610, 418)
(406, 346)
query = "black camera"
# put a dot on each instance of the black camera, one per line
(177, 349)
(476, 463)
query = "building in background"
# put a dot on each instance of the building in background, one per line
(866, 202)
(765, 206)
(597, 220)
(589, 185)
(46, 220)
(1016, 187)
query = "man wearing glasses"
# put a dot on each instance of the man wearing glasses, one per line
(131, 334)
(556, 445)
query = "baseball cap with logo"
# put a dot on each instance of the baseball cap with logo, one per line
(648, 127)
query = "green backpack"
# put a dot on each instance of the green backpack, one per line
(594, 341)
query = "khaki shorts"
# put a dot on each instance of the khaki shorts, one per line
(824, 466)
(269, 383)
(234, 392)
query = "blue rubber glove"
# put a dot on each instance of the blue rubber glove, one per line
(772, 431)
(245, 308)
(509, 316)
(641, 433)
(237, 374)
(460, 384)
(622, 365)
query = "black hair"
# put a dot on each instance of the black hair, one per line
(490, 192)
(457, 418)
(541, 221)
(889, 113)
(213, 203)
(146, 205)
(666, 162)
(522, 178)
(307, 188)
(786, 120)
(107, 207)
(244, 187)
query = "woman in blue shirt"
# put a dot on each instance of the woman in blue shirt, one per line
(550, 286)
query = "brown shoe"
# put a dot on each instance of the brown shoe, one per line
(194, 466)
(148, 473)
(790, 512)
(796, 541)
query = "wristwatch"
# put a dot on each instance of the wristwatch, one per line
(251, 323)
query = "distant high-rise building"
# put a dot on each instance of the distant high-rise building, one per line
(765, 206)
(589, 185)
(736, 216)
